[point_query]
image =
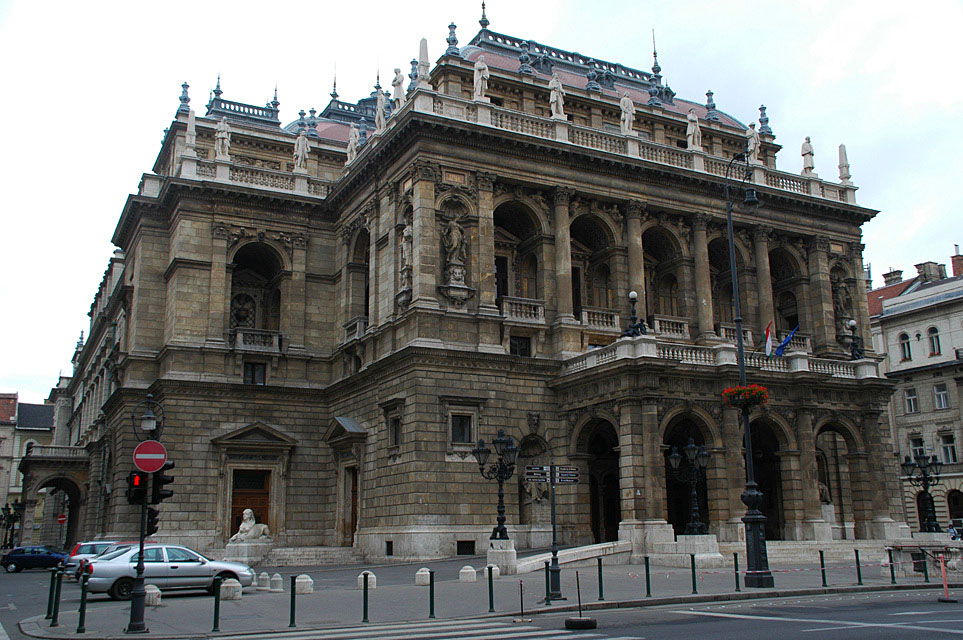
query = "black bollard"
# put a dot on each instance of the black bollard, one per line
(648, 581)
(735, 569)
(56, 606)
(822, 566)
(217, 604)
(859, 570)
(50, 594)
(601, 589)
(491, 591)
(365, 617)
(548, 584)
(431, 593)
(692, 569)
(926, 569)
(293, 605)
(82, 619)
(892, 567)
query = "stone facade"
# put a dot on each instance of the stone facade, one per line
(328, 346)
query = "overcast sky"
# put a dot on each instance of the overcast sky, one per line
(89, 87)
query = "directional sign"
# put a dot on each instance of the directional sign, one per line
(537, 467)
(150, 456)
(62, 519)
(566, 468)
(527, 479)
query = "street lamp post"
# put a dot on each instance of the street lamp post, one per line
(7, 525)
(500, 470)
(924, 472)
(636, 325)
(17, 516)
(151, 424)
(697, 458)
(757, 560)
(855, 345)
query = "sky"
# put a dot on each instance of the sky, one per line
(89, 87)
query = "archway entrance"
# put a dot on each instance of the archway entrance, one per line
(600, 443)
(832, 452)
(765, 459)
(63, 497)
(677, 492)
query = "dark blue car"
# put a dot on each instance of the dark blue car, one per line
(31, 558)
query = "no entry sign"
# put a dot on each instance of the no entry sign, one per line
(62, 519)
(150, 456)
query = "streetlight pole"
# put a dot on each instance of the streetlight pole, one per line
(757, 574)
(924, 472)
(500, 470)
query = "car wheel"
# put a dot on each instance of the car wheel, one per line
(223, 575)
(13, 568)
(121, 589)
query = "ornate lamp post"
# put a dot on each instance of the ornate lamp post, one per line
(500, 470)
(856, 345)
(758, 574)
(636, 325)
(7, 525)
(18, 508)
(146, 425)
(697, 458)
(924, 472)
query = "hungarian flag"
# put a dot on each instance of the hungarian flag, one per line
(769, 340)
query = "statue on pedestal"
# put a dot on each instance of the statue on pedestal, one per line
(398, 93)
(628, 113)
(380, 111)
(752, 144)
(250, 529)
(807, 155)
(693, 132)
(222, 140)
(557, 98)
(354, 140)
(301, 150)
(481, 78)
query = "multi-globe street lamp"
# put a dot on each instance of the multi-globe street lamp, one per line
(757, 574)
(855, 345)
(697, 458)
(500, 470)
(636, 325)
(924, 472)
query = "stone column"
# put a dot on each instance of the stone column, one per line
(387, 257)
(732, 437)
(218, 294)
(654, 529)
(562, 197)
(374, 232)
(760, 245)
(631, 463)
(816, 526)
(294, 306)
(634, 210)
(484, 276)
(821, 300)
(883, 476)
(703, 286)
(426, 260)
(863, 491)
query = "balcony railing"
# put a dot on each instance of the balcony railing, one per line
(799, 342)
(55, 451)
(670, 326)
(727, 331)
(522, 309)
(257, 340)
(355, 328)
(600, 318)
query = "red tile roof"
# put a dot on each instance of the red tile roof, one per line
(876, 296)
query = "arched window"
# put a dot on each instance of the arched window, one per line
(954, 501)
(934, 337)
(256, 288)
(905, 351)
(669, 296)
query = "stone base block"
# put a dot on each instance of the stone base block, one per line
(422, 577)
(303, 584)
(231, 589)
(372, 580)
(263, 581)
(152, 596)
(495, 571)
(501, 553)
(277, 584)
(467, 574)
(931, 537)
(677, 554)
(249, 553)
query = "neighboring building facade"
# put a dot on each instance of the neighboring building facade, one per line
(917, 325)
(329, 342)
(23, 427)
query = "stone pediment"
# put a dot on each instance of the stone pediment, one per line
(345, 436)
(256, 435)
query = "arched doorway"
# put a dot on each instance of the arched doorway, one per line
(65, 497)
(832, 452)
(600, 442)
(954, 503)
(765, 458)
(678, 493)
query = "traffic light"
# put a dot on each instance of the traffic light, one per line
(152, 517)
(136, 487)
(158, 492)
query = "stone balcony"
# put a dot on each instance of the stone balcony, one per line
(651, 347)
(355, 328)
(599, 318)
(54, 452)
(727, 332)
(669, 327)
(256, 340)
(524, 310)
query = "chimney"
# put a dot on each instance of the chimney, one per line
(928, 271)
(957, 261)
(895, 276)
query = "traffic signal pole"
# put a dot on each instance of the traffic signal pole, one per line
(138, 595)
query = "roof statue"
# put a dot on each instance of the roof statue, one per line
(752, 144)
(334, 88)
(222, 139)
(313, 124)
(844, 175)
(301, 151)
(413, 75)
(627, 107)
(397, 89)
(711, 114)
(524, 60)
(481, 79)
(484, 19)
(693, 132)
(354, 138)
(557, 97)
(452, 41)
(380, 110)
(807, 155)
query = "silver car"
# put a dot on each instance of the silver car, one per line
(166, 566)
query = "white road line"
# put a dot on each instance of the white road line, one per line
(3, 633)
(439, 630)
(839, 623)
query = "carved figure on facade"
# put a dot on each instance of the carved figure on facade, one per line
(454, 240)
(354, 139)
(482, 74)
(752, 144)
(407, 243)
(250, 529)
(557, 97)
(301, 150)
(693, 132)
(222, 140)
(397, 89)
(380, 111)
(627, 105)
(807, 155)
(842, 299)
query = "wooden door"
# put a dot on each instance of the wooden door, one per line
(351, 506)
(251, 490)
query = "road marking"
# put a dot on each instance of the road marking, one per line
(3, 633)
(838, 623)
(441, 630)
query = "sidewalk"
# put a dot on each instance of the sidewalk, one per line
(336, 601)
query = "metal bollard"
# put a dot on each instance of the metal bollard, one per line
(293, 605)
(365, 605)
(822, 566)
(859, 570)
(548, 584)
(217, 604)
(56, 604)
(735, 568)
(601, 589)
(491, 591)
(82, 619)
(648, 581)
(431, 593)
(692, 569)
(892, 567)
(926, 569)
(50, 594)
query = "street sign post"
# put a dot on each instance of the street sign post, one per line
(150, 456)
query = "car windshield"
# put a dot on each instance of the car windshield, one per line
(112, 554)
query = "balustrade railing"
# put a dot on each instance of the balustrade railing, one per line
(686, 354)
(263, 178)
(355, 328)
(522, 309)
(834, 368)
(766, 363)
(54, 451)
(523, 123)
(670, 326)
(727, 331)
(665, 155)
(598, 140)
(256, 340)
(787, 182)
(799, 342)
(599, 318)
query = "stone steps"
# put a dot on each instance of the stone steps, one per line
(310, 556)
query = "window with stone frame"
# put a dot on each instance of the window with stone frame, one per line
(461, 428)
(917, 448)
(462, 418)
(394, 422)
(948, 445)
(255, 373)
(933, 336)
(905, 349)
(911, 403)
(941, 397)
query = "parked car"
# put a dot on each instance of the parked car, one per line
(81, 553)
(33, 557)
(165, 566)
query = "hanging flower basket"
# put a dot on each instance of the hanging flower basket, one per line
(745, 397)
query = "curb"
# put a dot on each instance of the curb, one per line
(33, 626)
